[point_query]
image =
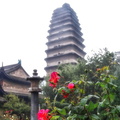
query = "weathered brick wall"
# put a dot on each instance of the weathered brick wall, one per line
(11, 87)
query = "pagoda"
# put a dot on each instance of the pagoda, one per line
(65, 42)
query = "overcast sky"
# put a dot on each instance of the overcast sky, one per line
(24, 25)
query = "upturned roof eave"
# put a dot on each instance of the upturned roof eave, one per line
(11, 68)
(4, 75)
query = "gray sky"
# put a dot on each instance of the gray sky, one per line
(24, 25)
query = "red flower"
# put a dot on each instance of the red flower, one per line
(52, 85)
(9, 111)
(43, 114)
(98, 69)
(54, 78)
(71, 86)
(65, 94)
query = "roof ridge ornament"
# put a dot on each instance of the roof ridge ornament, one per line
(2, 64)
(19, 61)
(2, 68)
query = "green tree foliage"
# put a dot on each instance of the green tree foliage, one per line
(18, 106)
(117, 82)
(88, 67)
(72, 72)
(98, 60)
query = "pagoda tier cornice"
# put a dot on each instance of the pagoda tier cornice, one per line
(63, 22)
(65, 13)
(63, 18)
(51, 67)
(66, 39)
(62, 55)
(65, 26)
(67, 18)
(58, 13)
(64, 46)
(56, 66)
(78, 35)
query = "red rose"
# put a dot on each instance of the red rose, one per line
(54, 78)
(43, 114)
(65, 94)
(71, 86)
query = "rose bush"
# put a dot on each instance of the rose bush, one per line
(77, 104)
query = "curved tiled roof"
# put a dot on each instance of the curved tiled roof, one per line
(10, 68)
(14, 79)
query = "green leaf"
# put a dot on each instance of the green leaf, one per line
(91, 106)
(60, 89)
(100, 105)
(112, 96)
(103, 85)
(73, 117)
(62, 101)
(112, 85)
(85, 99)
(95, 117)
(54, 117)
(74, 81)
(61, 111)
(118, 108)
(90, 82)
(82, 91)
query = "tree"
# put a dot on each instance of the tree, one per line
(87, 67)
(18, 106)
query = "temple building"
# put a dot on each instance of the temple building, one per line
(13, 80)
(65, 42)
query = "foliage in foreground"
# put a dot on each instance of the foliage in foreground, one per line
(14, 108)
(76, 105)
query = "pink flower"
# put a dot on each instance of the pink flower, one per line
(71, 86)
(98, 69)
(54, 78)
(9, 111)
(43, 114)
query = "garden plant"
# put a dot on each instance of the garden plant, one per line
(76, 103)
